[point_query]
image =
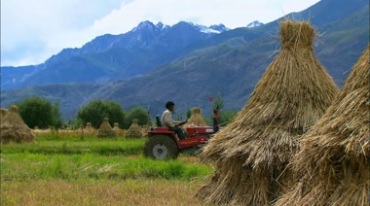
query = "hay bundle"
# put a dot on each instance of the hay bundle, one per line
(196, 118)
(89, 129)
(105, 130)
(117, 129)
(253, 150)
(147, 128)
(134, 131)
(144, 130)
(3, 113)
(333, 163)
(13, 127)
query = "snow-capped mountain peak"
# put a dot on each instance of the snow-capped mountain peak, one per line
(144, 25)
(219, 27)
(255, 23)
(215, 29)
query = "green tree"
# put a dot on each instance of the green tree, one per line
(218, 102)
(136, 112)
(95, 112)
(226, 116)
(36, 111)
(56, 116)
(188, 113)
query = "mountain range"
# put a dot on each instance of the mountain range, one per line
(185, 63)
(109, 57)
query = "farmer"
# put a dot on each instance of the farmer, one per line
(171, 124)
(216, 119)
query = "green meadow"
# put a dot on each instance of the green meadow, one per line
(59, 170)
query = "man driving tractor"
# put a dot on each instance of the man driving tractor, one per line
(169, 139)
(171, 124)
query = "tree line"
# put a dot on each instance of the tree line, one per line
(42, 113)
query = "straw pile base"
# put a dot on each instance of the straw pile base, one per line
(15, 135)
(341, 183)
(235, 186)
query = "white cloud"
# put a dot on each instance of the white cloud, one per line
(33, 30)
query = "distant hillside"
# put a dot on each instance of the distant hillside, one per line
(229, 63)
(69, 96)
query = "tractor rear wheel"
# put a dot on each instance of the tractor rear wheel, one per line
(161, 147)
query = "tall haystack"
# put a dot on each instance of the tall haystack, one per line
(196, 118)
(13, 128)
(252, 151)
(333, 163)
(134, 131)
(105, 130)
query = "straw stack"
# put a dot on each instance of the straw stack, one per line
(13, 128)
(252, 151)
(144, 130)
(3, 113)
(134, 131)
(196, 118)
(89, 129)
(147, 127)
(333, 163)
(105, 130)
(117, 129)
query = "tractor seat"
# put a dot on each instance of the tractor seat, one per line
(158, 121)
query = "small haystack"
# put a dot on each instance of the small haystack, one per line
(252, 151)
(105, 130)
(333, 163)
(3, 113)
(89, 129)
(196, 118)
(144, 130)
(117, 129)
(13, 128)
(134, 131)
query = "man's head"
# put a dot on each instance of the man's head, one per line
(170, 106)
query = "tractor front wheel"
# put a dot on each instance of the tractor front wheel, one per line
(161, 147)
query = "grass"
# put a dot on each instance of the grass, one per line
(27, 166)
(59, 170)
(52, 145)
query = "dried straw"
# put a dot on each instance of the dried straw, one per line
(334, 159)
(196, 118)
(117, 129)
(3, 113)
(106, 130)
(89, 128)
(13, 127)
(291, 96)
(134, 131)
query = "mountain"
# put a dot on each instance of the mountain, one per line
(254, 24)
(111, 57)
(229, 63)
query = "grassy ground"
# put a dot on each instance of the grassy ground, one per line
(91, 171)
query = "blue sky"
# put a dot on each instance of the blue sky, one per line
(34, 30)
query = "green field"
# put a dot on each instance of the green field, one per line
(56, 170)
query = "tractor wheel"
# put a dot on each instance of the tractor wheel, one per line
(161, 147)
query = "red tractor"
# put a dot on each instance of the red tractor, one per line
(164, 144)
